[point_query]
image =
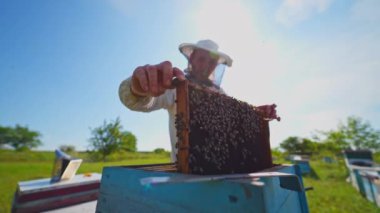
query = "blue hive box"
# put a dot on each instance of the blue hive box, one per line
(304, 166)
(133, 189)
(359, 164)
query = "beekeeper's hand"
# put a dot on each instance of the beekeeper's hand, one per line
(269, 112)
(153, 80)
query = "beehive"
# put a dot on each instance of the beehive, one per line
(218, 134)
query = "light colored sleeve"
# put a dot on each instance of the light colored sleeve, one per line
(145, 104)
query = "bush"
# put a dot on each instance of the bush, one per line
(159, 151)
(67, 148)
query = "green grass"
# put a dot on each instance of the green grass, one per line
(22, 166)
(331, 191)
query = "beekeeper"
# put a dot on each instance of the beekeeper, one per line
(149, 88)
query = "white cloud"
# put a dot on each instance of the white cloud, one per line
(292, 12)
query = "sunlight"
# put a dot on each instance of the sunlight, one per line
(232, 27)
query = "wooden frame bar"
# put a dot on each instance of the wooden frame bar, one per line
(183, 135)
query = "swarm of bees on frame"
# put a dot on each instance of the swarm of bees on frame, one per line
(225, 133)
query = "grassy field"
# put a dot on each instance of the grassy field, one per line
(21, 166)
(331, 192)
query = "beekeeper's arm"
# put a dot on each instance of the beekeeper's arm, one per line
(149, 88)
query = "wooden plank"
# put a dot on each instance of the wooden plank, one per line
(183, 133)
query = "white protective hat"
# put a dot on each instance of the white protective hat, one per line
(187, 48)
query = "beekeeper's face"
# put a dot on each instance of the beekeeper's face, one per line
(203, 63)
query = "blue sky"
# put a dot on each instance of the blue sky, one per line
(61, 62)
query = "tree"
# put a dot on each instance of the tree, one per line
(67, 148)
(109, 138)
(334, 141)
(20, 138)
(298, 145)
(361, 135)
(128, 142)
(354, 134)
(159, 150)
(5, 135)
